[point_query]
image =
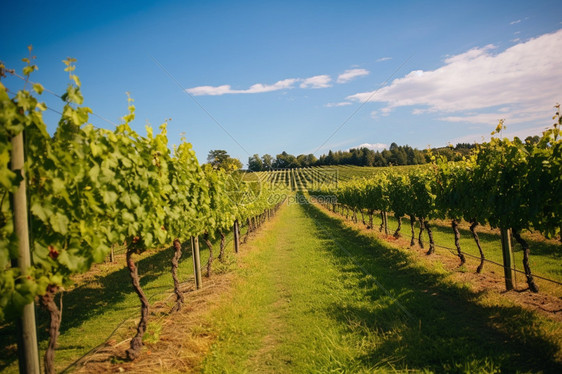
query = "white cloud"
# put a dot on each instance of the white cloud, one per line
(384, 59)
(280, 85)
(351, 74)
(469, 55)
(386, 111)
(484, 137)
(256, 88)
(374, 147)
(516, 40)
(318, 81)
(419, 111)
(374, 114)
(511, 114)
(515, 22)
(343, 103)
(209, 90)
(524, 77)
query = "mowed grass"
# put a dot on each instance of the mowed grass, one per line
(276, 320)
(314, 295)
(545, 259)
(546, 255)
(101, 302)
(308, 298)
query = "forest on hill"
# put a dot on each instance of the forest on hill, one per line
(395, 155)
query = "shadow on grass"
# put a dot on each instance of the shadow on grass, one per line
(448, 332)
(488, 239)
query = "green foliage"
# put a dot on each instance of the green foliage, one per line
(92, 188)
(505, 183)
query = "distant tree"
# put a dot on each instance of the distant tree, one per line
(220, 159)
(267, 161)
(386, 156)
(330, 159)
(379, 160)
(217, 156)
(368, 158)
(462, 146)
(337, 157)
(231, 164)
(285, 160)
(394, 155)
(311, 160)
(399, 156)
(301, 160)
(419, 158)
(255, 163)
(356, 156)
(410, 155)
(292, 162)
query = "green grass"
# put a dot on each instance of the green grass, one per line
(95, 307)
(307, 300)
(347, 172)
(545, 259)
(305, 178)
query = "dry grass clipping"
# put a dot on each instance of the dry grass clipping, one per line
(183, 342)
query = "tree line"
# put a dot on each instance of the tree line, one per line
(395, 155)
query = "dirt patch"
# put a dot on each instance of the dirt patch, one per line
(183, 337)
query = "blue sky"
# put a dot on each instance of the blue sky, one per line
(297, 76)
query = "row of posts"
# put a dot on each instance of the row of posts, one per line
(507, 252)
(197, 257)
(28, 351)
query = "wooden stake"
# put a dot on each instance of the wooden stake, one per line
(507, 259)
(236, 236)
(196, 261)
(27, 345)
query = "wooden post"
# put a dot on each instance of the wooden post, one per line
(507, 259)
(112, 254)
(196, 261)
(27, 342)
(236, 236)
(385, 219)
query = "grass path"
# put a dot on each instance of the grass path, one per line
(308, 294)
(308, 298)
(278, 319)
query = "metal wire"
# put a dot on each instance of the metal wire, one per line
(454, 252)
